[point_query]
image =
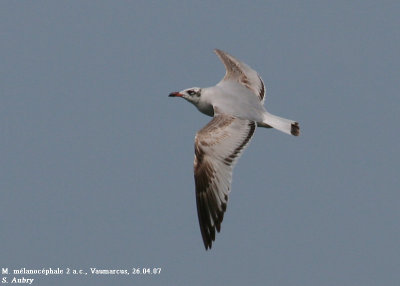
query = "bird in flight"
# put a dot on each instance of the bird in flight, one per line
(236, 105)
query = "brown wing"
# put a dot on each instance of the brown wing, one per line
(239, 71)
(217, 147)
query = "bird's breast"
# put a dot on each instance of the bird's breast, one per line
(206, 108)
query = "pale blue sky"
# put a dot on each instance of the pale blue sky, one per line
(96, 160)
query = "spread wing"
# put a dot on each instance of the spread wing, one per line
(217, 147)
(242, 73)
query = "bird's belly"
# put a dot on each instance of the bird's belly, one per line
(242, 107)
(235, 100)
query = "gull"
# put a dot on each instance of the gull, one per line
(236, 105)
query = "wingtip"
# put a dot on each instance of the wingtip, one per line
(219, 52)
(207, 244)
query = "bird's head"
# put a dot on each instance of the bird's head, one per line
(192, 94)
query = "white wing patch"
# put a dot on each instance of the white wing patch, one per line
(242, 73)
(217, 147)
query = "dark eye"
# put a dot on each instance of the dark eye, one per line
(191, 92)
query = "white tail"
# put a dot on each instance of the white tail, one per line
(282, 124)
